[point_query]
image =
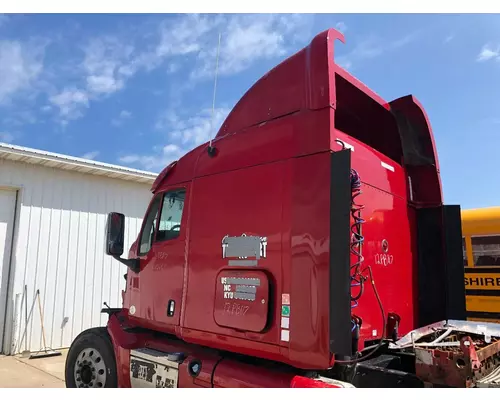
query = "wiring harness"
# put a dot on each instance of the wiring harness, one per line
(357, 239)
(358, 276)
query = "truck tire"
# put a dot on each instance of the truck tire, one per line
(91, 361)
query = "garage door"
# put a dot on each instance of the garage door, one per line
(7, 211)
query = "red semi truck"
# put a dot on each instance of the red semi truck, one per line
(307, 245)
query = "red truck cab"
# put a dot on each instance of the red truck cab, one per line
(311, 229)
(270, 179)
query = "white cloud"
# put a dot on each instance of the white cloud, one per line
(110, 61)
(186, 43)
(449, 38)
(344, 62)
(194, 130)
(6, 137)
(248, 39)
(107, 63)
(372, 47)
(91, 155)
(182, 134)
(200, 128)
(124, 114)
(403, 41)
(488, 53)
(103, 84)
(167, 119)
(20, 65)
(245, 39)
(341, 26)
(71, 103)
(173, 68)
(184, 35)
(158, 161)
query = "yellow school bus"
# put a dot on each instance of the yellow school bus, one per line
(481, 254)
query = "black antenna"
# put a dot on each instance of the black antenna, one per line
(211, 149)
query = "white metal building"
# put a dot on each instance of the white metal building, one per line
(53, 211)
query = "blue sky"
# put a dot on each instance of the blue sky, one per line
(136, 90)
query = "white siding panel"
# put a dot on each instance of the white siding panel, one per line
(59, 248)
(7, 219)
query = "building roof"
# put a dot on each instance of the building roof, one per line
(73, 164)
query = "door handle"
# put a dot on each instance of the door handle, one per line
(171, 308)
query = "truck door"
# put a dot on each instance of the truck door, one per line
(162, 256)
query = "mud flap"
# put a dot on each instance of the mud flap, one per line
(441, 288)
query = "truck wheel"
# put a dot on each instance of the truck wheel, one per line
(91, 361)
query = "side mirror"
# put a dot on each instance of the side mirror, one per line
(115, 234)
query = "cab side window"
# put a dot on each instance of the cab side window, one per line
(464, 252)
(171, 215)
(486, 251)
(148, 231)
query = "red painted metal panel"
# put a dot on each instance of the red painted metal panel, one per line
(242, 300)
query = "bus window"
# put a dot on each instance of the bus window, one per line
(486, 251)
(464, 252)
